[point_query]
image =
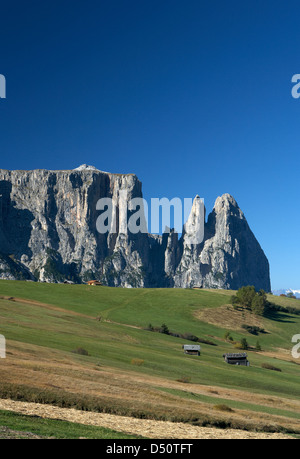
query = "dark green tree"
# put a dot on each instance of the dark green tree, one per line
(164, 329)
(244, 296)
(247, 297)
(290, 295)
(258, 305)
(244, 344)
(258, 346)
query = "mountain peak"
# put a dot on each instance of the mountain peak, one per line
(85, 167)
(228, 205)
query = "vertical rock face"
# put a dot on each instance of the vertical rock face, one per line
(48, 232)
(229, 256)
(48, 227)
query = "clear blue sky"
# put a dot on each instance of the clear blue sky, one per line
(194, 97)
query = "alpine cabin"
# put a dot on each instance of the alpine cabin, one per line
(237, 359)
(191, 349)
(94, 282)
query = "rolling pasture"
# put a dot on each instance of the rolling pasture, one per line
(90, 348)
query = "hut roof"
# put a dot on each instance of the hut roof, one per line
(191, 347)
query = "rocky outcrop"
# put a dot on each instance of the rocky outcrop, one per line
(229, 256)
(48, 232)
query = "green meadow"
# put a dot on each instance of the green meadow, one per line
(19, 425)
(110, 325)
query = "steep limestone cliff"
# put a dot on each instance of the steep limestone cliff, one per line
(229, 256)
(48, 232)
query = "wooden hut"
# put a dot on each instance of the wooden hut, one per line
(191, 349)
(94, 282)
(237, 359)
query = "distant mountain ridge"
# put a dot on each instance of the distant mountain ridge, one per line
(286, 292)
(48, 233)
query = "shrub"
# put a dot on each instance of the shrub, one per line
(228, 336)
(258, 346)
(190, 337)
(267, 366)
(253, 329)
(184, 379)
(243, 344)
(206, 341)
(164, 329)
(176, 335)
(223, 407)
(137, 362)
(186, 336)
(80, 351)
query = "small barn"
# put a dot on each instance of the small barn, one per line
(191, 349)
(94, 282)
(237, 359)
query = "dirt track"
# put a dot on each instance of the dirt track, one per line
(143, 427)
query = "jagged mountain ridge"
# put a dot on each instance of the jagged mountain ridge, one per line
(286, 291)
(48, 233)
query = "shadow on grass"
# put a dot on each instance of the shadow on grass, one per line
(278, 316)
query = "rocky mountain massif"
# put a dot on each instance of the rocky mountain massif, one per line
(48, 233)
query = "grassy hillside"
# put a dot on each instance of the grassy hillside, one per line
(129, 370)
(18, 426)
